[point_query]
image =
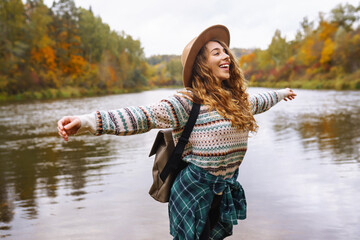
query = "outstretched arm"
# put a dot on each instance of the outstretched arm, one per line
(172, 112)
(262, 102)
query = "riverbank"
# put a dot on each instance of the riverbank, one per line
(67, 92)
(75, 92)
(311, 84)
(321, 81)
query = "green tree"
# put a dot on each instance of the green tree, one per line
(174, 70)
(94, 35)
(13, 45)
(345, 15)
(279, 49)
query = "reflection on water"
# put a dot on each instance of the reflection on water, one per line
(336, 134)
(90, 187)
(332, 128)
(31, 169)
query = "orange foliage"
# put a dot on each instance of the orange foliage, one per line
(112, 74)
(45, 57)
(245, 59)
(77, 41)
(76, 64)
(62, 43)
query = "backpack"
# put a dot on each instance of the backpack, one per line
(168, 162)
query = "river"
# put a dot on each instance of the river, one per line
(301, 173)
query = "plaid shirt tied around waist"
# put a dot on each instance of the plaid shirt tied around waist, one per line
(190, 201)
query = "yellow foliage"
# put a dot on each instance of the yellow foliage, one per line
(327, 52)
(327, 30)
(306, 55)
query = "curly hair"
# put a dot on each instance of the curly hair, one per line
(228, 97)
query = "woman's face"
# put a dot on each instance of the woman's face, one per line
(218, 60)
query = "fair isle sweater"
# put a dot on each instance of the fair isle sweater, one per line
(214, 144)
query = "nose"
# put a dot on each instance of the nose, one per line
(225, 56)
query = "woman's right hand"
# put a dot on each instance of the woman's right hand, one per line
(68, 126)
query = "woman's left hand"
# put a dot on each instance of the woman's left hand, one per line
(290, 94)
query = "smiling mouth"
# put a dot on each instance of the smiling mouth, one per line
(225, 66)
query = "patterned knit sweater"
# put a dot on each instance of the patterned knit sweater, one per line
(214, 145)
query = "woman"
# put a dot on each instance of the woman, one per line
(206, 200)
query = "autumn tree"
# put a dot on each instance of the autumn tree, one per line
(42, 62)
(66, 35)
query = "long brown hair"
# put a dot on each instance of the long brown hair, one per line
(228, 97)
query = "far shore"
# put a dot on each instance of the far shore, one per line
(76, 92)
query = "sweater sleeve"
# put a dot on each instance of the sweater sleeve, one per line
(262, 102)
(172, 112)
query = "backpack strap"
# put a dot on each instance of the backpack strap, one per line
(175, 160)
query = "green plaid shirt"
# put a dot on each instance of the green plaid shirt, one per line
(190, 201)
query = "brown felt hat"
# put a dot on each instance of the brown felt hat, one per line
(216, 32)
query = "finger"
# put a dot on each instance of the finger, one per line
(59, 131)
(63, 121)
(60, 124)
(63, 135)
(71, 124)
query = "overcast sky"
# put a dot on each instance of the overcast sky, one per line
(166, 26)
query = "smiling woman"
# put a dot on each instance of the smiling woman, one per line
(206, 199)
(218, 60)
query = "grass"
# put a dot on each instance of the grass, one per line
(67, 92)
(337, 84)
(342, 83)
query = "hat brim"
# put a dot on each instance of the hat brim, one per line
(216, 32)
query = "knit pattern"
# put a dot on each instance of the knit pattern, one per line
(214, 144)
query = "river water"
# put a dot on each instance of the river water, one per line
(301, 173)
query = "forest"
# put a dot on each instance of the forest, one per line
(66, 51)
(323, 55)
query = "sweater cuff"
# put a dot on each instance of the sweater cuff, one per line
(88, 123)
(282, 93)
